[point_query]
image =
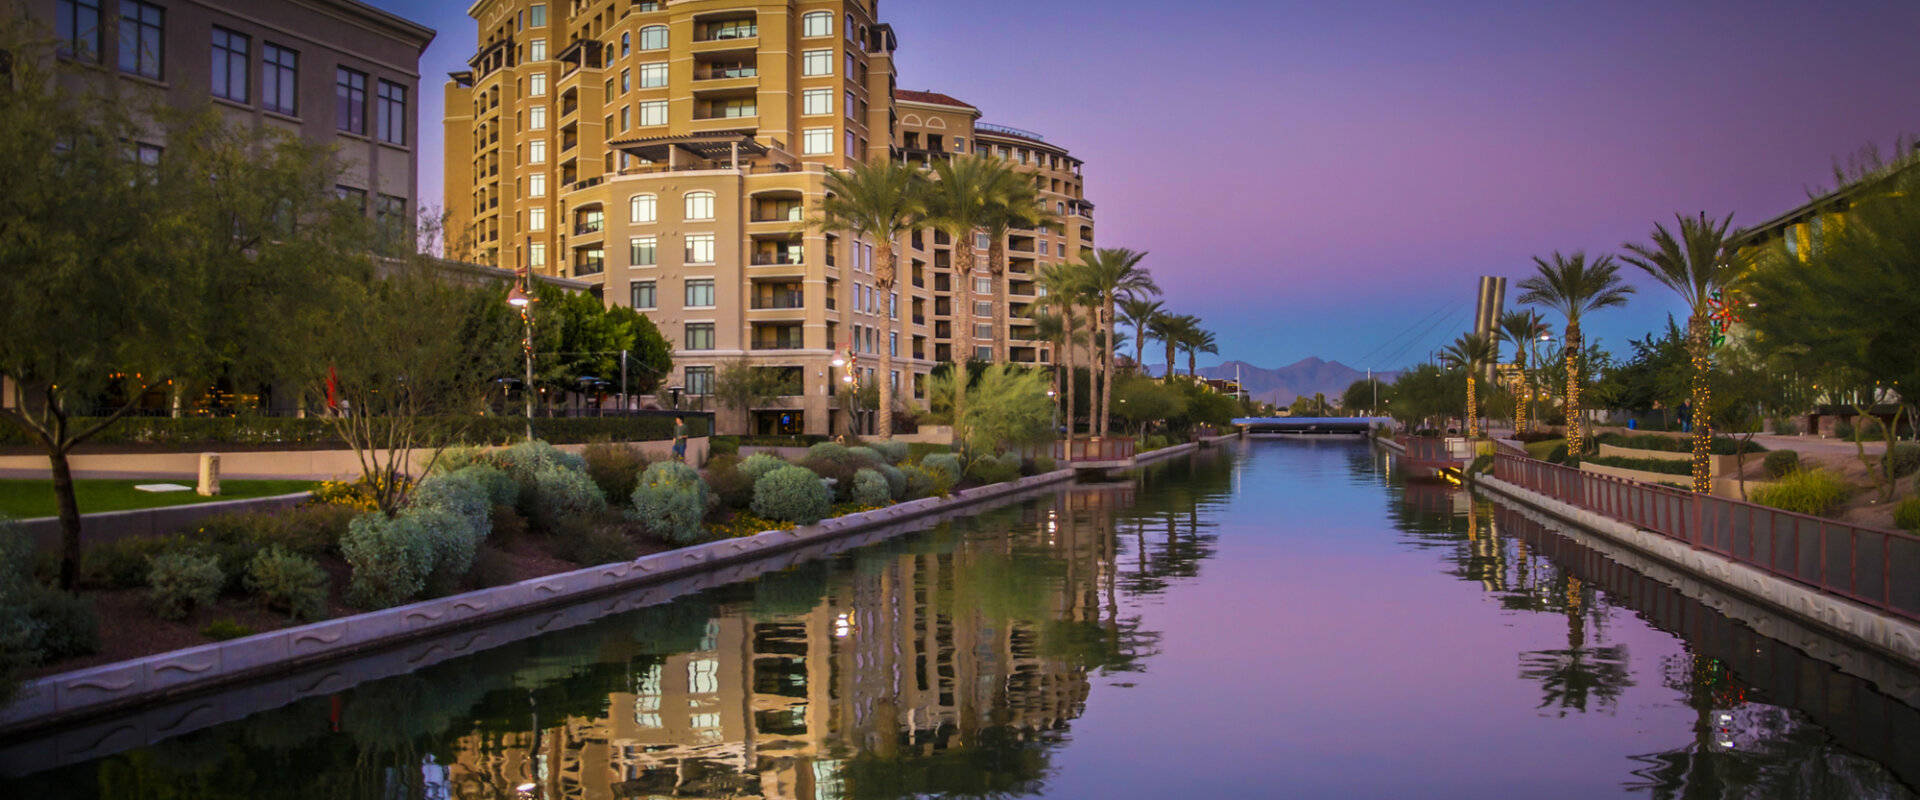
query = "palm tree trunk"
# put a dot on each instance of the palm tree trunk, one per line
(1073, 378)
(1697, 351)
(963, 323)
(883, 279)
(1140, 348)
(1573, 389)
(1106, 372)
(1193, 370)
(997, 274)
(1473, 409)
(1173, 352)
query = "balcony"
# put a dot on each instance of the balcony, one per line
(780, 259)
(590, 266)
(919, 319)
(728, 30)
(778, 297)
(782, 338)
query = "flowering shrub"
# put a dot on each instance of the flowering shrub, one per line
(356, 495)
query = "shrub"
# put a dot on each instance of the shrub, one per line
(1906, 459)
(1805, 491)
(896, 480)
(1843, 429)
(526, 458)
(758, 465)
(501, 488)
(122, 563)
(829, 450)
(587, 544)
(838, 470)
(221, 630)
(313, 530)
(453, 514)
(233, 539)
(671, 502)
(67, 626)
(1558, 455)
(1785, 426)
(996, 469)
(1154, 442)
(792, 494)
(730, 485)
(1907, 514)
(357, 495)
(560, 493)
(893, 451)
(459, 457)
(289, 582)
(181, 581)
(870, 488)
(1043, 465)
(723, 446)
(1659, 465)
(614, 467)
(945, 464)
(922, 483)
(391, 559)
(459, 494)
(1780, 463)
(865, 456)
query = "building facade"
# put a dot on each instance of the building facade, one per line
(333, 72)
(670, 155)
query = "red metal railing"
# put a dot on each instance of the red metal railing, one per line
(1112, 448)
(1872, 566)
(1435, 450)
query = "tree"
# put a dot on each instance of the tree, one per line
(127, 275)
(1699, 265)
(1142, 401)
(880, 200)
(1050, 328)
(1066, 288)
(1315, 406)
(1363, 394)
(1113, 273)
(1140, 312)
(1522, 329)
(1472, 353)
(579, 339)
(959, 201)
(1574, 288)
(1016, 205)
(1198, 340)
(1171, 330)
(741, 386)
(1008, 406)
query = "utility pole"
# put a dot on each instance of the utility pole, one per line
(623, 381)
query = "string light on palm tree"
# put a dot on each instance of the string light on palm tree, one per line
(1573, 286)
(520, 298)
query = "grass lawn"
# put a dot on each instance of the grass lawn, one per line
(21, 499)
(1540, 450)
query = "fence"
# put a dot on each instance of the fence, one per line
(1875, 567)
(1113, 448)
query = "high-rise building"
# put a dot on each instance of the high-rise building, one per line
(670, 154)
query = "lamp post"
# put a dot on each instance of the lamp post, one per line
(523, 300)
(844, 361)
(1055, 405)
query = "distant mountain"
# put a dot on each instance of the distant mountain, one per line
(1280, 386)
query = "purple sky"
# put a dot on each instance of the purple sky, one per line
(1361, 163)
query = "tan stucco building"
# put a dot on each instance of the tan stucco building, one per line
(668, 153)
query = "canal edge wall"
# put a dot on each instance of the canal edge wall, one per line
(1826, 614)
(94, 691)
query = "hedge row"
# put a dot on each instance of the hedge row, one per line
(1660, 465)
(314, 433)
(1722, 445)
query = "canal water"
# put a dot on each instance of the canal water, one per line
(1268, 619)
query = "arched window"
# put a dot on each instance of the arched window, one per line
(849, 26)
(642, 208)
(626, 44)
(817, 23)
(653, 37)
(699, 205)
(1063, 207)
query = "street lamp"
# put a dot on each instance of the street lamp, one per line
(1055, 405)
(521, 299)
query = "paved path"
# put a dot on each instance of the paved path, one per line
(1815, 444)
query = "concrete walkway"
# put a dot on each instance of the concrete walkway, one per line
(1815, 444)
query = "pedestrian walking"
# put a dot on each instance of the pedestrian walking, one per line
(679, 438)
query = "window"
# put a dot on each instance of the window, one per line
(893, 305)
(850, 104)
(817, 101)
(849, 26)
(626, 120)
(699, 380)
(653, 37)
(982, 331)
(983, 354)
(537, 50)
(982, 285)
(626, 81)
(537, 118)
(653, 76)
(959, 144)
(699, 248)
(850, 151)
(141, 50)
(537, 185)
(641, 252)
(641, 208)
(354, 197)
(653, 112)
(537, 151)
(818, 23)
(699, 337)
(350, 101)
(982, 241)
(279, 79)
(538, 15)
(537, 218)
(849, 72)
(817, 62)
(229, 65)
(626, 44)
(982, 308)
(78, 27)
(643, 295)
(893, 349)
(537, 85)
(391, 121)
(591, 221)
(391, 215)
(818, 141)
(700, 205)
(699, 293)
(537, 254)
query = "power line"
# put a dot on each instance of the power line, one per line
(1363, 361)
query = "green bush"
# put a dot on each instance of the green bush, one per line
(614, 467)
(1042, 465)
(1780, 463)
(870, 488)
(501, 488)
(221, 630)
(454, 515)
(313, 530)
(67, 626)
(1558, 455)
(923, 483)
(182, 581)
(289, 582)
(1805, 491)
(122, 563)
(560, 493)
(759, 464)
(1907, 514)
(865, 456)
(1906, 459)
(1843, 429)
(830, 450)
(1721, 446)
(459, 457)
(996, 469)
(896, 480)
(1151, 443)
(1661, 465)
(792, 494)
(946, 465)
(671, 502)
(526, 459)
(723, 446)
(731, 486)
(588, 544)
(836, 466)
(893, 451)
(391, 559)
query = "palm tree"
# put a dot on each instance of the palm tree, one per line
(1574, 288)
(959, 201)
(1064, 286)
(1698, 265)
(1520, 329)
(1113, 273)
(878, 200)
(1140, 313)
(1172, 329)
(1472, 352)
(1198, 341)
(1051, 328)
(1016, 205)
